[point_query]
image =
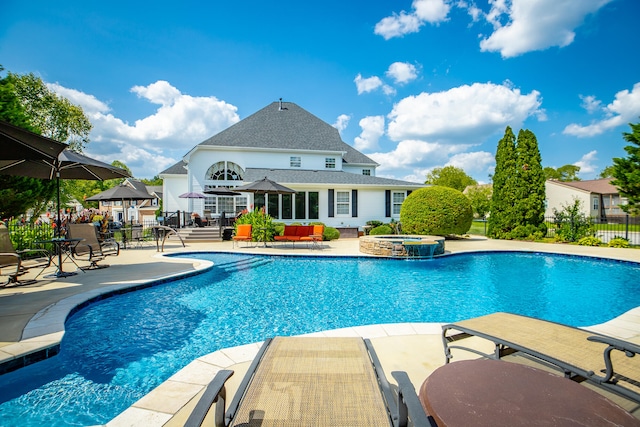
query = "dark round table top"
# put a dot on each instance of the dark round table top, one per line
(497, 393)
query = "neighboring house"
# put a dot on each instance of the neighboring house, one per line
(599, 198)
(335, 184)
(137, 211)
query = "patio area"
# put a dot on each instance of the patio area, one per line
(32, 318)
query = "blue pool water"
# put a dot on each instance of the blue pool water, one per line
(117, 350)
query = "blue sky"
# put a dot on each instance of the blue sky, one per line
(414, 85)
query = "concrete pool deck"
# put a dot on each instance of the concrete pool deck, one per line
(32, 317)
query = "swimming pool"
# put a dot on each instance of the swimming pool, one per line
(117, 350)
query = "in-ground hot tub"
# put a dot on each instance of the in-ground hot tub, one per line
(406, 246)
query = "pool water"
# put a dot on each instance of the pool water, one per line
(117, 350)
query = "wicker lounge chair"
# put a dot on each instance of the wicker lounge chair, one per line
(304, 381)
(14, 264)
(90, 249)
(581, 354)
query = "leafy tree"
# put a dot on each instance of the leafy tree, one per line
(26, 102)
(505, 190)
(56, 117)
(156, 180)
(450, 176)
(571, 223)
(436, 210)
(564, 173)
(626, 171)
(480, 196)
(606, 172)
(529, 204)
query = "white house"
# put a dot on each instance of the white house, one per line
(334, 183)
(600, 199)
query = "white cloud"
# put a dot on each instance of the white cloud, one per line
(402, 72)
(478, 161)
(372, 130)
(624, 108)
(157, 141)
(369, 84)
(399, 24)
(533, 25)
(481, 110)
(586, 163)
(590, 103)
(342, 122)
(412, 159)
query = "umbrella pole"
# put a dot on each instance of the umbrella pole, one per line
(58, 222)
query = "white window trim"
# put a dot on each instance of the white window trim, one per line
(347, 203)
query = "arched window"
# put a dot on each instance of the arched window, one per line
(224, 171)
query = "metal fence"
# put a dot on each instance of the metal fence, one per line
(625, 226)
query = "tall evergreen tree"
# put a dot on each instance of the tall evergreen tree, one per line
(529, 205)
(502, 218)
(626, 171)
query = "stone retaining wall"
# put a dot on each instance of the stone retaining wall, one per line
(391, 245)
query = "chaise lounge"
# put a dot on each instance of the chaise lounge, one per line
(305, 381)
(580, 354)
(18, 263)
(89, 248)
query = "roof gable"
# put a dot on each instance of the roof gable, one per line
(286, 126)
(599, 186)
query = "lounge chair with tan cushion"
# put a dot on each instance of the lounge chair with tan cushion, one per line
(312, 381)
(16, 263)
(609, 362)
(90, 249)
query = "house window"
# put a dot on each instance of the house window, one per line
(330, 163)
(596, 204)
(398, 198)
(295, 161)
(342, 202)
(224, 171)
(366, 172)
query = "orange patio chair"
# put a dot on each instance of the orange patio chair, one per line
(243, 234)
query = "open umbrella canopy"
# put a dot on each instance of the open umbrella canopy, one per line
(20, 144)
(265, 186)
(221, 191)
(119, 192)
(192, 196)
(67, 165)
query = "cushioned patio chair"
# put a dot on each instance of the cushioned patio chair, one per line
(316, 237)
(90, 249)
(16, 263)
(580, 354)
(305, 381)
(243, 234)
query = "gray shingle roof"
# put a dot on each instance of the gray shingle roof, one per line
(177, 169)
(303, 176)
(289, 128)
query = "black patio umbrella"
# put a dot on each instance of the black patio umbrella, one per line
(67, 165)
(192, 195)
(20, 144)
(120, 193)
(221, 191)
(265, 186)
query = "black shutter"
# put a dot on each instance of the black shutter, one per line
(408, 192)
(331, 203)
(387, 203)
(354, 203)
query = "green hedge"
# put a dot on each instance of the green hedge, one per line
(436, 210)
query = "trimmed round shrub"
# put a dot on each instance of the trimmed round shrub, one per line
(436, 210)
(330, 233)
(381, 229)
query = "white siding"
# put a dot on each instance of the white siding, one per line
(559, 195)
